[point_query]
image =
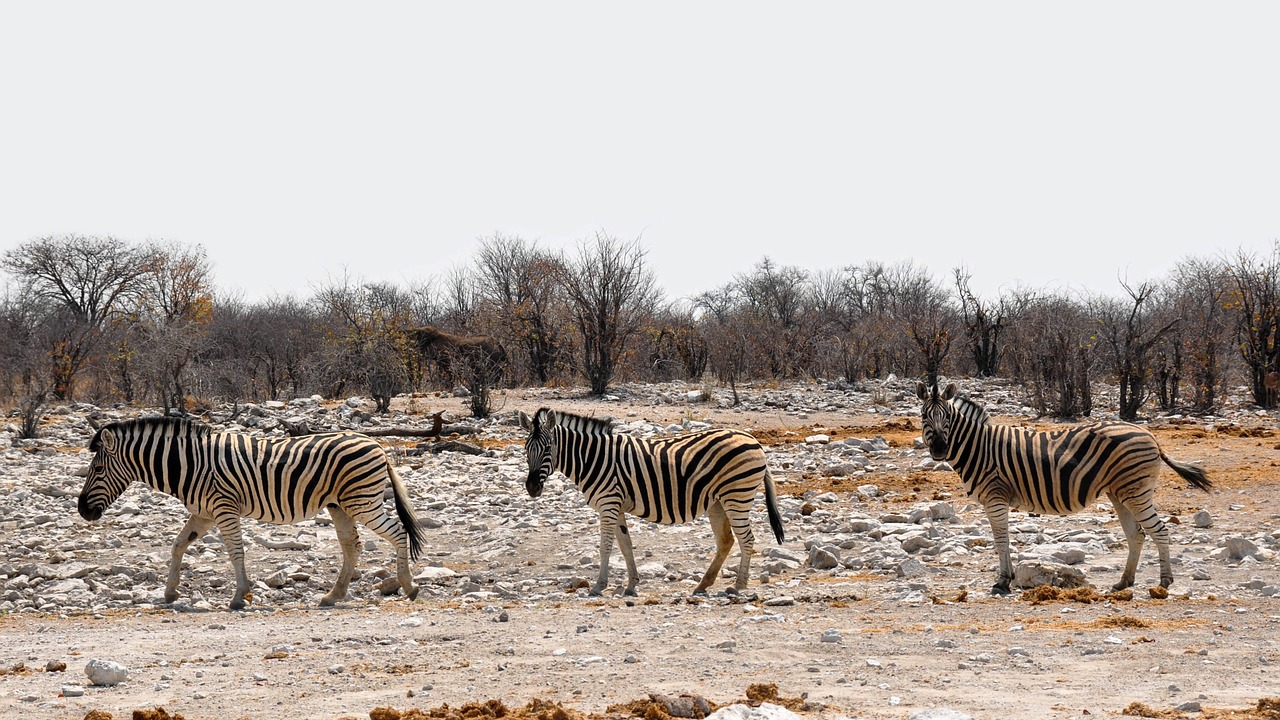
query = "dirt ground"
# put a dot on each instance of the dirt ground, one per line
(961, 648)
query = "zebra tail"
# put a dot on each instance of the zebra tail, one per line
(771, 504)
(404, 510)
(1193, 474)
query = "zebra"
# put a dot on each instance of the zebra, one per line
(668, 480)
(223, 476)
(1058, 472)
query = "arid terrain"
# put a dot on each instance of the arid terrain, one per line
(876, 606)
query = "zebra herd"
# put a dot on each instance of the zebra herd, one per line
(223, 476)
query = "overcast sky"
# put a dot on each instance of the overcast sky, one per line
(1039, 144)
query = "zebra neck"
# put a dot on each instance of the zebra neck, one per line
(583, 456)
(170, 464)
(969, 452)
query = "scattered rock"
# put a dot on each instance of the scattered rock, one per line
(106, 672)
(1033, 574)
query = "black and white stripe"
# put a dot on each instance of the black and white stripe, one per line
(1059, 472)
(224, 476)
(667, 480)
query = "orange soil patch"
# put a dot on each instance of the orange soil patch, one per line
(1042, 594)
(1266, 709)
(655, 707)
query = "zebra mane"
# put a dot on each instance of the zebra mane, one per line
(170, 426)
(970, 409)
(583, 424)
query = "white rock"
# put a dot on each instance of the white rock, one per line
(766, 711)
(430, 573)
(910, 568)
(1239, 548)
(939, 714)
(1031, 574)
(106, 672)
(1202, 519)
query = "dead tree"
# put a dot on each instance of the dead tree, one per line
(1130, 335)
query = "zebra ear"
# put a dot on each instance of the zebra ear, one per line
(922, 390)
(950, 392)
(107, 440)
(549, 417)
(526, 422)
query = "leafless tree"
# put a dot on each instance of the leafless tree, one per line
(90, 277)
(983, 323)
(1255, 305)
(1192, 354)
(27, 327)
(613, 292)
(918, 308)
(676, 344)
(520, 280)
(367, 341)
(776, 297)
(1051, 346)
(1129, 330)
(172, 310)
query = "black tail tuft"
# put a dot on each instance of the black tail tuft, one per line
(404, 511)
(771, 505)
(1193, 474)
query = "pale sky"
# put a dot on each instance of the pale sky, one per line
(1039, 144)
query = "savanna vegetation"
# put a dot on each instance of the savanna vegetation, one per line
(106, 320)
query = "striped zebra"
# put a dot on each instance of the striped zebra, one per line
(668, 480)
(1057, 472)
(224, 476)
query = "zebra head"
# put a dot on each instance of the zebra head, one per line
(107, 475)
(936, 414)
(540, 448)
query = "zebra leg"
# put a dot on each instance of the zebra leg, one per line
(195, 527)
(724, 543)
(349, 540)
(608, 521)
(1133, 534)
(229, 525)
(998, 516)
(388, 527)
(628, 554)
(740, 521)
(1155, 527)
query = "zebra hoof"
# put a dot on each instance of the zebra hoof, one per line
(237, 604)
(999, 589)
(327, 601)
(412, 593)
(170, 595)
(1123, 585)
(699, 591)
(1165, 582)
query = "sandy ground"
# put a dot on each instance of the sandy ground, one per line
(1212, 642)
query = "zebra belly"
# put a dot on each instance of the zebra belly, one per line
(655, 514)
(1064, 503)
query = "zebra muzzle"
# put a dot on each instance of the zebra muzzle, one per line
(86, 512)
(534, 486)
